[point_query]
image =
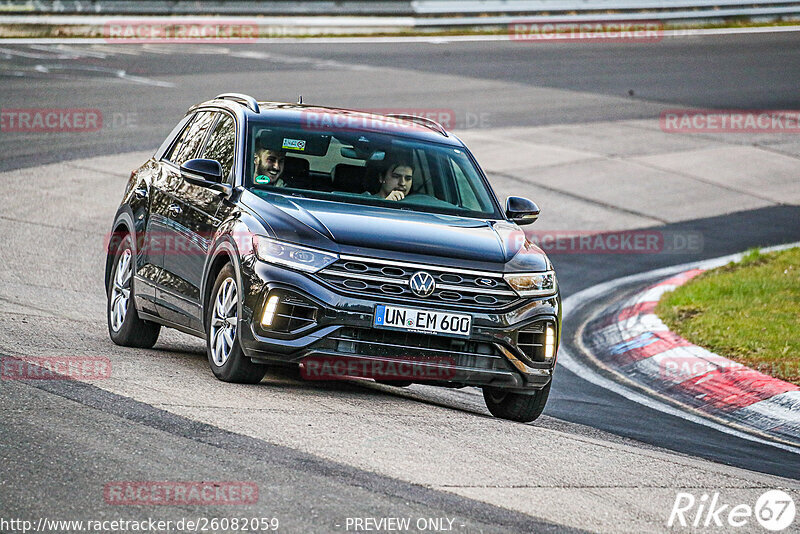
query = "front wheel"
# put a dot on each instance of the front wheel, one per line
(516, 406)
(124, 325)
(228, 361)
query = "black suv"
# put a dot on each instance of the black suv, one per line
(351, 244)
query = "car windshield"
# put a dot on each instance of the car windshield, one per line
(361, 167)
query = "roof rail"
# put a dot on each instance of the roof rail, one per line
(247, 100)
(423, 121)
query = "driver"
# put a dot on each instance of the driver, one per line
(269, 166)
(396, 181)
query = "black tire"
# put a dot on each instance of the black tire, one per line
(132, 331)
(516, 406)
(236, 367)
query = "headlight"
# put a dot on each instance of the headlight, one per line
(533, 284)
(301, 258)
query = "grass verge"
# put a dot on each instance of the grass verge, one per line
(747, 311)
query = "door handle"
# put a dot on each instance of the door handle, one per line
(141, 193)
(174, 208)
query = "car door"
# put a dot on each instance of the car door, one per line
(194, 220)
(153, 191)
(174, 237)
(224, 146)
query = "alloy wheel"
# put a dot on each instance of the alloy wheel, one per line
(121, 290)
(223, 322)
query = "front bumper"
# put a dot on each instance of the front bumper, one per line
(340, 337)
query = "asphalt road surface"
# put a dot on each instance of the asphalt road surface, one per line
(141, 89)
(323, 453)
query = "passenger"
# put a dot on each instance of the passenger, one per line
(396, 181)
(269, 165)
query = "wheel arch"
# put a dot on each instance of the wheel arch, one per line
(123, 226)
(224, 252)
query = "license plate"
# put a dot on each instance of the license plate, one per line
(426, 321)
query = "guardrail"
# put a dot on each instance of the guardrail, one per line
(450, 7)
(23, 19)
(489, 10)
(208, 7)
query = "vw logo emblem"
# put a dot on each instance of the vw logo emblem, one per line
(422, 284)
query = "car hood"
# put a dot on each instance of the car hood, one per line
(325, 224)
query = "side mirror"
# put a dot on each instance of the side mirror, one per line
(202, 172)
(521, 210)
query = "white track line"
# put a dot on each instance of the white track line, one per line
(586, 372)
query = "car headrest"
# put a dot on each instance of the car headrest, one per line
(373, 171)
(295, 166)
(349, 178)
(295, 173)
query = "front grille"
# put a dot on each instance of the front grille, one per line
(380, 278)
(416, 347)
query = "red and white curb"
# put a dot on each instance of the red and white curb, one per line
(631, 339)
(677, 377)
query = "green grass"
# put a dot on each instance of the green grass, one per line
(747, 311)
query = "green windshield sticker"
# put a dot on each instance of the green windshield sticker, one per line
(262, 179)
(294, 144)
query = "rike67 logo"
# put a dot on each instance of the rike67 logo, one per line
(774, 511)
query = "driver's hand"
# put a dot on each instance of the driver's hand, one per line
(396, 195)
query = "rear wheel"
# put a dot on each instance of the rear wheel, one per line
(124, 325)
(516, 406)
(228, 361)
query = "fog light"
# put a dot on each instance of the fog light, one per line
(549, 343)
(269, 310)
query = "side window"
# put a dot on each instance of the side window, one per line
(221, 145)
(170, 153)
(177, 131)
(191, 138)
